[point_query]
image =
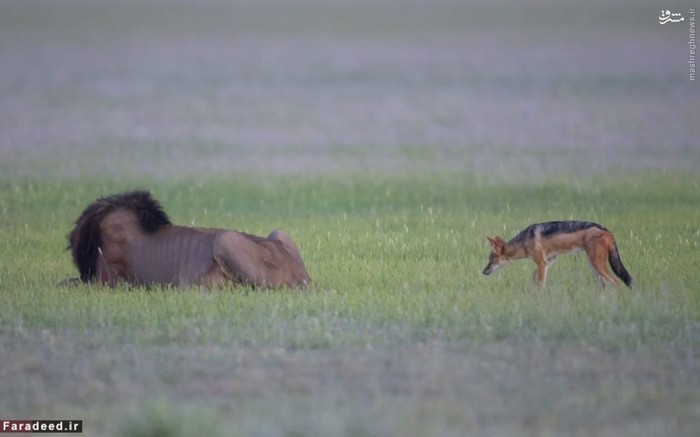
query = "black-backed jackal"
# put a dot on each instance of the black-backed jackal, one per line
(543, 242)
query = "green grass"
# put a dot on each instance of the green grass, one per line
(401, 334)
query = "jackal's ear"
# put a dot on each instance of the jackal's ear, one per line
(496, 242)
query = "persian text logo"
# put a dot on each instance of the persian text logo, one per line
(670, 17)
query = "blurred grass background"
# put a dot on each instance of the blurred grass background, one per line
(181, 89)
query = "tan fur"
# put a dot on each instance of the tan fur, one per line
(596, 242)
(179, 255)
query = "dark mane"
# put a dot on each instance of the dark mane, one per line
(84, 240)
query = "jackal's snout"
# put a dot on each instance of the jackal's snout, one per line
(489, 269)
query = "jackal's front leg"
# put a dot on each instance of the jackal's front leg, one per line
(540, 275)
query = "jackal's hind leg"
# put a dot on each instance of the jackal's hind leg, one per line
(602, 276)
(597, 260)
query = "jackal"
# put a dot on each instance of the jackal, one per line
(543, 242)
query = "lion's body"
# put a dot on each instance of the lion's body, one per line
(128, 238)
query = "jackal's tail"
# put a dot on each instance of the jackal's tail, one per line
(617, 267)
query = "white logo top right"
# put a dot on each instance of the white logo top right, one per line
(670, 17)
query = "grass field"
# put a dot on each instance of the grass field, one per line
(388, 139)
